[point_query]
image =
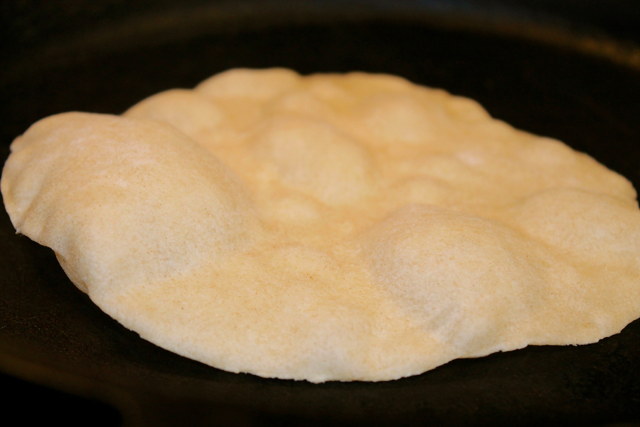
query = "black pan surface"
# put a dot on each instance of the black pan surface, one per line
(581, 89)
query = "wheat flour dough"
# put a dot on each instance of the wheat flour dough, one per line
(329, 227)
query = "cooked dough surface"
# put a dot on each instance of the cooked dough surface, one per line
(329, 227)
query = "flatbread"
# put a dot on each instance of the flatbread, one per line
(329, 227)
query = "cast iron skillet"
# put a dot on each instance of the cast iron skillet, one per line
(548, 76)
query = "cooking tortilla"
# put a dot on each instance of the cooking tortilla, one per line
(351, 227)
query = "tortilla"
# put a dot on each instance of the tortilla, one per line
(329, 227)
